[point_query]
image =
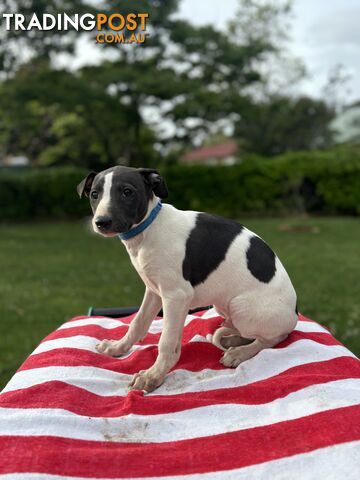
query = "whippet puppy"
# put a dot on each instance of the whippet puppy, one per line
(188, 259)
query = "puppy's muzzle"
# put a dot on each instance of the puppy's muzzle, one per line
(104, 224)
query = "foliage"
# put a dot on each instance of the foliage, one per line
(316, 182)
(183, 84)
(281, 124)
(41, 193)
(312, 182)
(76, 123)
(17, 46)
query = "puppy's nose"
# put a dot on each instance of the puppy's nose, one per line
(103, 223)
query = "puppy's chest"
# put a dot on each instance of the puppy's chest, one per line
(147, 270)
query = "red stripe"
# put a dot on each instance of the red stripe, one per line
(95, 331)
(195, 327)
(56, 394)
(195, 356)
(68, 457)
(319, 337)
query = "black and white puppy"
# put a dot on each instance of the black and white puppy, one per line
(189, 259)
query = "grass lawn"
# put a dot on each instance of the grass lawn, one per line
(53, 271)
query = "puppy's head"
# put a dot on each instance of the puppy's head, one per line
(120, 197)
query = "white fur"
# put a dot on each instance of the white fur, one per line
(261, 311)
(102, 209)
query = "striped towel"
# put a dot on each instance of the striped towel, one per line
(291, 412)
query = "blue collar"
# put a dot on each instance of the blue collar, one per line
(143, 225)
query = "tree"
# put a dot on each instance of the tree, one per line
(18, 47)
(58, 117)
(194, 80)
(93, 99)
(282, 124)
(194, 76)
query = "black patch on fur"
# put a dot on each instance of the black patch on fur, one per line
(98, 186)
(261, 260)
(84, 186)
(207, 245)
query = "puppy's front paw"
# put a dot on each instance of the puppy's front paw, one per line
(113, 348)
(145, 380)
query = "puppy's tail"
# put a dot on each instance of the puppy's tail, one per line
(219, 333)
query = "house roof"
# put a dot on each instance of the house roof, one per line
(221, 150)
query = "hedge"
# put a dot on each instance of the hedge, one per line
(326, 182)
(41, 193)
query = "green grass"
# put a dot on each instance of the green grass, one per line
(53, 271)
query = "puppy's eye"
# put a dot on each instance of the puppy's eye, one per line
(94, 194)
(127, 192)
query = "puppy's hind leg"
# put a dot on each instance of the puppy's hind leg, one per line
(234, 356)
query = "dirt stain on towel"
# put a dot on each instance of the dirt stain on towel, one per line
(134, 432)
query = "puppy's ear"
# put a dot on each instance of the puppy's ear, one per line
(155, 180)
(84, 186)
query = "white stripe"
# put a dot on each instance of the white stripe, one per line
(103, 206)
(210, 313)
(183, 425)
(80, 342)
(109, 323)
(337, 462)
(266, 364)
(302, 326)
(104, 322)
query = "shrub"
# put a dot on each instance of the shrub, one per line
(41, 193)
(313, 182)
(324, 182)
